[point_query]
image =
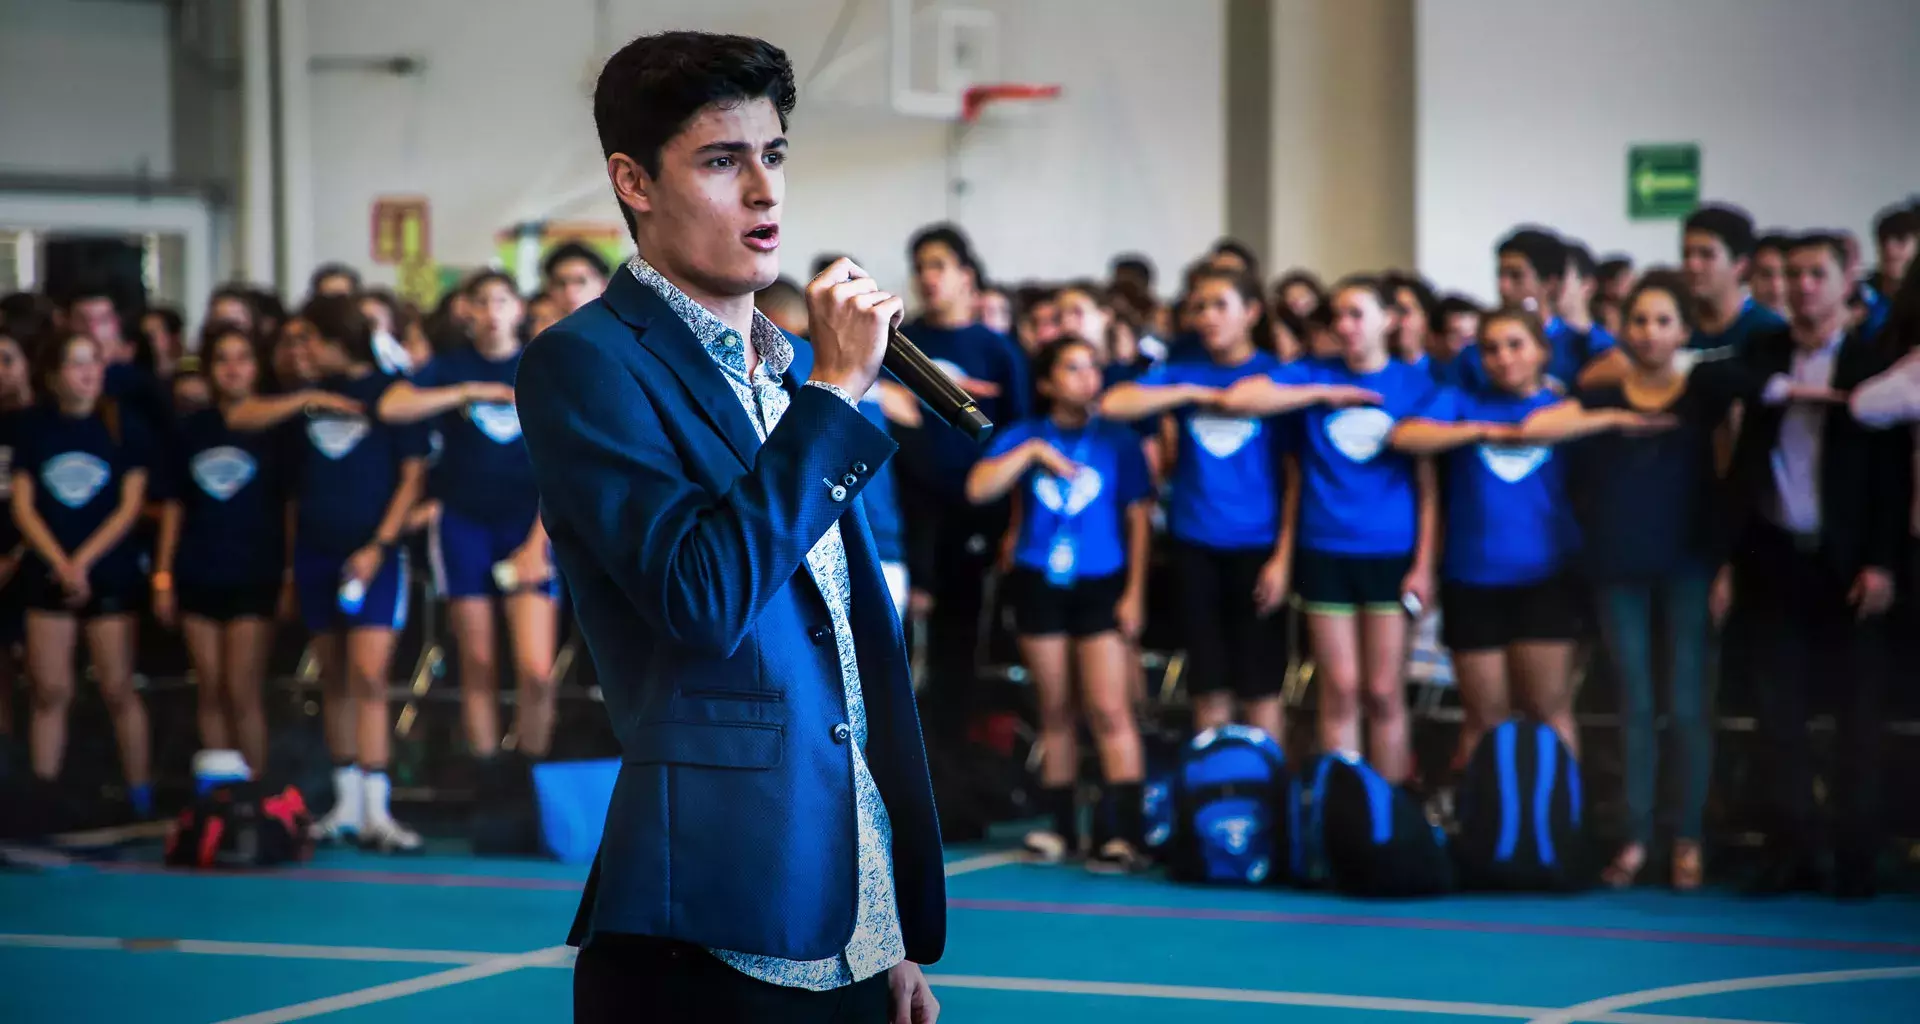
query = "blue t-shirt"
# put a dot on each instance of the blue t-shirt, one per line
(937, 456)
(1359, 495)
(1226, 487)
(1572, 351)
(1091, 507)
(484, 472)
(1508, 519)
(78, 469)
(233, 497)
(1753, 319)
(881, 498)
(350, 467)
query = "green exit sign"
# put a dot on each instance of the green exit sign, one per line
(1663, 181)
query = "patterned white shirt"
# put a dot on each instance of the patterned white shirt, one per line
(877, 943)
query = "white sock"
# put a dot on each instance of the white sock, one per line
(375, 792)
(348, 784)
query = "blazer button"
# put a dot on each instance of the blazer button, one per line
(849, 479)
(859, 467)
(841, 733)
(838, 493)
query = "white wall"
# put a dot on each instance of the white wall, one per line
(1131, 157)
(84, 87)
(1804, 112)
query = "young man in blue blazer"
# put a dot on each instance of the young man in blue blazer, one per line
(771, 852)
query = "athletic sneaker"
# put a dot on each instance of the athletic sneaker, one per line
(337, 827)
(1117, 857)
(385, 835)
(1048, 846)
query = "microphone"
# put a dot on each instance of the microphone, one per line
(934, 388)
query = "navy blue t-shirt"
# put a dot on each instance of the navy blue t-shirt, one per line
(78, 470)
(881, 497)
(1508, 521)
(1091, 508)
(937, 456)
(484, 472)
(1226, 487)
(350, 467)
(232, 493)
(1359, 496)
(1753, 319)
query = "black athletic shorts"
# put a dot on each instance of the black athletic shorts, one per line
(1485, 618)
(109, 597)
(1330, 584)
(1083, 609)
(227, 603)
(1230, 647)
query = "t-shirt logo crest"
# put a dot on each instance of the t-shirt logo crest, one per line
(1222, 436)
(497, 420)
(1066, 498)
(222, 471)
(1359, 434)
(75, 477)
(1513, 464)
(335, 436)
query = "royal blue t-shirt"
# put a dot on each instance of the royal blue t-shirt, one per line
(350, 467)
(1753, 319)
(937, 456)
(1360, 497)
(1572, 351)
(881, 498)
(1226, 487)
(1091, 507)
(232, 493)
(78, 470)
(1508, 519)
(484, 473)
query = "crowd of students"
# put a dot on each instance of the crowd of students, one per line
(1690, 455)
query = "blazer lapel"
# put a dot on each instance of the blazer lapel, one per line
(663, 333)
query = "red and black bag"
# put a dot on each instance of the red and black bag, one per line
(241, 825)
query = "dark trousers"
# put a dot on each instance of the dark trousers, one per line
(951, 550)
(634, 979)
(1810, 652)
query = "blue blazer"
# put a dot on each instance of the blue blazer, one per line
(683, 540)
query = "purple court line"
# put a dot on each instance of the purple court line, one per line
(1110, 910)
(1439, 925)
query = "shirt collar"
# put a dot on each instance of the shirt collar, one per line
(720, 341)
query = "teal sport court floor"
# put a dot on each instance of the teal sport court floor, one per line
(355, 939)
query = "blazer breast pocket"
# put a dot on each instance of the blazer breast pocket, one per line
(742, 676)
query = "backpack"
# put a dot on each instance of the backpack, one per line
(241, 825)
(1157, 816)
(1358, 833)
(1228, 798)
(1519, 812)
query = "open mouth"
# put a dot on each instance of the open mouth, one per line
(764, 237)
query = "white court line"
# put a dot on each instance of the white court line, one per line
(394, 990)
(1593, 1009)
(1265, 997)
(968, 865)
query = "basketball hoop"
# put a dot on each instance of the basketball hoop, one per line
(977, 98)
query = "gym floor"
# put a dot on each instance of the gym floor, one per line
(361, 939)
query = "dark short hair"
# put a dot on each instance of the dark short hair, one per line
(1671, 282)
(490, 276)
(1778, 240)
(952, 237)
(326, 270)
(1896, 222)
(337, 319)
(1378, 287)
(1730, 224)
(1542, 249)
(168, 316)
(1299, 275)
(1240, 249)
(1053, 351)
(1581, 258)
(1132, 263)
(574, 251)
(1613, 266)
(1457, 303)
(1245, 283)
(1832, 241)
(1422, 293)
(651, 88)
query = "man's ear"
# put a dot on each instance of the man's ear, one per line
(631, 183)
